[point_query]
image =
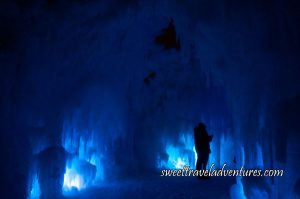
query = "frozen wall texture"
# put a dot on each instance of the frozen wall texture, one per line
(121, 89)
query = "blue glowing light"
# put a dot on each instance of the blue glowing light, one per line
(79, 175)
(84, 167)
(35, 191)
(72, 179)
(85, 144)
(179, 157)
(181, 154)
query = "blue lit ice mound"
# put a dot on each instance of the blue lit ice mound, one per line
(83, 167)
(79, 175)
(178, 154)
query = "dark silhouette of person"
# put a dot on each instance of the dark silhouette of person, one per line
(202, 140)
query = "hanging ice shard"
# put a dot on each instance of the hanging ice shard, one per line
(227, 151)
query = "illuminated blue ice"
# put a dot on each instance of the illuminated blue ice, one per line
(178, 158)
(84, 147)
(237, 190)
(227, 150)
(213, 155)
(259, 155)
(243, 155)
(79, 175)
(35, 191)
(73, 179)
(258, 194)
(181, 154)
(85, 144)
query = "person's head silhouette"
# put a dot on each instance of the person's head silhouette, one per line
(201, 126)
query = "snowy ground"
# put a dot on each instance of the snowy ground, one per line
(162, 187)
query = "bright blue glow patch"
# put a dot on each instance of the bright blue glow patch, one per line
(179, 155)
(35, 191)
(85, 168)
(73, 180)
(79, 175)
(179, 158)
(85, 144)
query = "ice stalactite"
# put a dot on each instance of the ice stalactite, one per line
(227, 149)
(259, 156)
(213, 156)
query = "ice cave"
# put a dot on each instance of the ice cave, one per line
(99, 98)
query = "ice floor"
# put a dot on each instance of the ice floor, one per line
(161, 187)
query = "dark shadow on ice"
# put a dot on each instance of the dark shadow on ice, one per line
(51, 164)
(168, 37)
(151, 76)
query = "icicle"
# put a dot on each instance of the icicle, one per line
(35, 191)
